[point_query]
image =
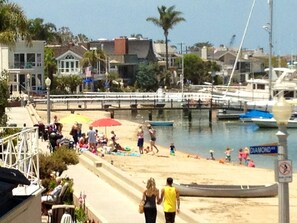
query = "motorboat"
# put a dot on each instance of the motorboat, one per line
(271, 123)
(160, 123)
(255, 113)
(238, 191)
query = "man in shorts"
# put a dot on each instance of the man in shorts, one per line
(171, 204)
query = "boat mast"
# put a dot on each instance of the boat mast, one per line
(240, 47)
(270, 2)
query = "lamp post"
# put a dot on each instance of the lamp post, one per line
(48, 84)
(28, 87)
(282, 111)
(182, 77)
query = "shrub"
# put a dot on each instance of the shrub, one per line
(66, 155)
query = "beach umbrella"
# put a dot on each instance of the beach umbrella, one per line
(105, 122)
(72, 118)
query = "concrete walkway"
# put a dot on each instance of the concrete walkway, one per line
(110, 197)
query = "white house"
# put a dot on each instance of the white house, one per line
(25, 66)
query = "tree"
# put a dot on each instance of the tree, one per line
(167, 20)
(50, 65)
(91, 58)
(67, 84)
(4, 92)
(13, 25)
(43, 31)
(146, 77)
(196, 70)
(81, 38)
(137, 36)
(65, 35)
(199, 46)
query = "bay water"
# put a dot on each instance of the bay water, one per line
(198, 136)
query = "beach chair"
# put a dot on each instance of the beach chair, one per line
(56, 212)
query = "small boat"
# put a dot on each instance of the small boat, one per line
(160, 123)
(240, 191)
(227, 115)
(255, 113)
(271, 123)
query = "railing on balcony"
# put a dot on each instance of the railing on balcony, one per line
(20, 151)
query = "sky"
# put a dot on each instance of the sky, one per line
(214, 21)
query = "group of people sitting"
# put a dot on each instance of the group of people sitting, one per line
(92, 140)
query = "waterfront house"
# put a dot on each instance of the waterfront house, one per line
(24, 65)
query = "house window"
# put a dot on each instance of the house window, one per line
(69, 64)
(39, 60)
(30, 60)
(19, 60)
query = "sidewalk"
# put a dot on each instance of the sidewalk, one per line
(110, 198)
(109, 205)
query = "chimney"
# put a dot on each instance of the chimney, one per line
(121, 45)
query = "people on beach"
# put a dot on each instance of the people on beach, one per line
(92, 139)
(211, 155)
(152, 133)
(74, 132)
(172, 149)
(245, 155)
(251, 163)
(171, 201)
(150, 197)
(147, 149)
(83, 142)
(240, 155)
(228, 152)
(140, 139)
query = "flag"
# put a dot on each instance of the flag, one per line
(88, 71)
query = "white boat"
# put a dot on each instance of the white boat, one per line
(271, 123)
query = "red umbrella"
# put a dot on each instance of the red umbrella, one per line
(105, 122)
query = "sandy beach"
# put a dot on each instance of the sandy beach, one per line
(185, 169)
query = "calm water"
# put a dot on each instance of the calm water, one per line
(198, 137)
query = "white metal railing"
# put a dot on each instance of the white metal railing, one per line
(20, 151)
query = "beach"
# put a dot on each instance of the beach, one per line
(187, 169)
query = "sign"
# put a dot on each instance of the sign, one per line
(263, 149)
(284, 171)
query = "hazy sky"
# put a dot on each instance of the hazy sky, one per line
(215, 21)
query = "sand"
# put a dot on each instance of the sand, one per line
(186, 169)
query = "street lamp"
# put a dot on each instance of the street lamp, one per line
(282, 111)
(28, 87)
(48, 84)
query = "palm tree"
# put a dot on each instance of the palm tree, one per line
(13, 25)
(91, 58)
(167, 20)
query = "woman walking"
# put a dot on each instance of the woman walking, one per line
(150, 198)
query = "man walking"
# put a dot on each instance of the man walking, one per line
(171, 205)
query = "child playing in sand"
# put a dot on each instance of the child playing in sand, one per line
(211, 152)
(172, 149)
(228, 154)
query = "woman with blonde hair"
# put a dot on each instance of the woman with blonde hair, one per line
(150, 198)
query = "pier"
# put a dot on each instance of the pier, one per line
(111, 101)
